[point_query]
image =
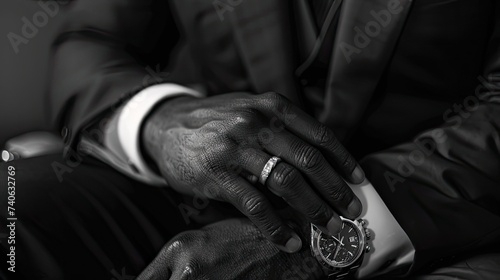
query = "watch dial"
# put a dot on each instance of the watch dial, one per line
(341, 249)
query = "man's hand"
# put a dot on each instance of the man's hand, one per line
(230, 249)
(213, 145)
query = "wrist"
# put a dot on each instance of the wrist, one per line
(160, 119)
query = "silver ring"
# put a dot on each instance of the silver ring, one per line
(270, 164)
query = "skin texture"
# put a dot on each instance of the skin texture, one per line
(214, 146)
(230, 249)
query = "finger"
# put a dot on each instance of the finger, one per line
(164, 263)
(257, 208)
(151, 273)
(287, 182)
(182, 273)
(252, 179)
(252, 160)
(311, 162)
(313, 132)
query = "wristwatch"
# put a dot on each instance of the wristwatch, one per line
(341, 255)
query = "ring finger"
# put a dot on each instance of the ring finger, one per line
(287, 182)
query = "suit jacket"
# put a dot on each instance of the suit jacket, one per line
(419, 102)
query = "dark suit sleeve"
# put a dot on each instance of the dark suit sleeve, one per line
(444, 187)
(100, 58)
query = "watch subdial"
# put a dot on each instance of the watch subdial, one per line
(327, 247)
(343, 255)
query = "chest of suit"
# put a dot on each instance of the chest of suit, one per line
(427, 58)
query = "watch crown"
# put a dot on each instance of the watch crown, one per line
(368, 234)
(362, 222)
(367, 248)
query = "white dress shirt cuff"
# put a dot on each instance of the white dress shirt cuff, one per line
(389, 243)
(130, 121)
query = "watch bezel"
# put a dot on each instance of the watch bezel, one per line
(316, 234)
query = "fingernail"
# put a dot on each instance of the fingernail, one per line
(354, 208)
(293, 244)
(334, 225)
(358, 175)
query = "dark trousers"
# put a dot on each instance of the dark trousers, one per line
(88, 222)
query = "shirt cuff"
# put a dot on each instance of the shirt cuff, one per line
(129, 123)
(391, 248)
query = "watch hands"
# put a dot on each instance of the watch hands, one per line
(339, 240)
(336, 239)
(336, 251)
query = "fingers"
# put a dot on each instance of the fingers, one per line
(257, 208)
(310, 162)
(175, 259)
(314, 133)
(288, 183)
(163, 264)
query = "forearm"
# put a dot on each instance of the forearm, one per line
(94, 70)
(96, 80)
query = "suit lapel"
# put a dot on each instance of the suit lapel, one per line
(262, 30)
(357, 65)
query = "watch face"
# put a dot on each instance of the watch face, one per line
(343, 249)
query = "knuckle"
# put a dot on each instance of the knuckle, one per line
(191, 269)
(274, 99)
(186, 246)
(322, 135)
(211, 129)
(319, 214)
(254, 206)
(337, 195)
(309, 158)
(276, 232)
(174, 248)
(285, 176)
(245, 118)
(340, 194)
(179, 243)
(230, 191)
(348, 162)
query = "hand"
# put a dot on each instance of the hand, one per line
(212, 145)
(231, 249)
